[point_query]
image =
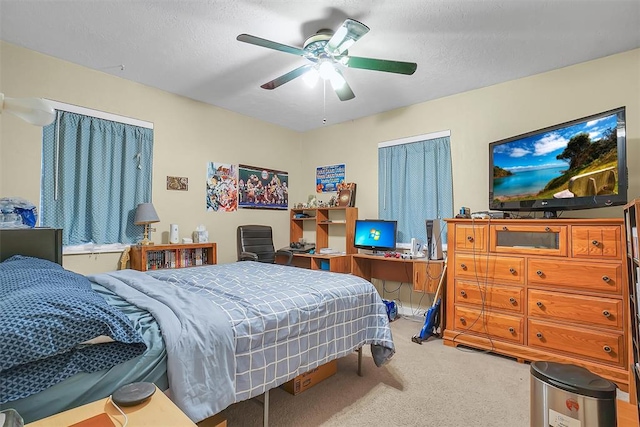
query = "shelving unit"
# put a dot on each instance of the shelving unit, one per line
(157, 257)
(323, 223)
(632, 226)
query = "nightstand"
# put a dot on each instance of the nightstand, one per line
(159, 410)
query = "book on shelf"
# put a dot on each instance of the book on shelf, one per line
(634, 243)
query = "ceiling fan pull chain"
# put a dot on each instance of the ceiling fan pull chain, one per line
(324, 102)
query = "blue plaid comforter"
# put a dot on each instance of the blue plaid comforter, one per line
(284, 321)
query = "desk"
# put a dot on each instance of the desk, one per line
(338, 263)
(422, 273)
(157, 411)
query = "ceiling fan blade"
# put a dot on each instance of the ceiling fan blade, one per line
(379, 64)
(271, 44)
(349, 33)
(343, 90)
(279, 81)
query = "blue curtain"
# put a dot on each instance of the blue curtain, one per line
(415, 184)
(94, 174)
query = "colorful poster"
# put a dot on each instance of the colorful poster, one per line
(222, 187)
(329, 177)
(262, 188)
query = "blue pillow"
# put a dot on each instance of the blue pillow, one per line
(46, 310)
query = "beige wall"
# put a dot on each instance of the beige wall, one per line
(187, 134)
(190, 133)
(478, 117)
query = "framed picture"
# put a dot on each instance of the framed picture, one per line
(344, 198)
(351, 186)
(262, 188)
(180, 183)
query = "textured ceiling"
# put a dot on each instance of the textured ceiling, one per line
(189, 47)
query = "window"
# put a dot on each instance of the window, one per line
(94, 174)
(415, 184)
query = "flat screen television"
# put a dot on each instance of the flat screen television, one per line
(579, 164)
(375, 234)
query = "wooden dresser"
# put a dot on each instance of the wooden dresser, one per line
(540, 289)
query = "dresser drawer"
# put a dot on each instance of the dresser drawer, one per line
(528, 239)
(471, 237)
(505, 327)
(576, 275)
(603, 346)
(510, 298)
(596, 242)
(587, 310)
(494, 268)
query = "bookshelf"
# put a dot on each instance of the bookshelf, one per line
(323, 224)
(632, 225)
(159, 257)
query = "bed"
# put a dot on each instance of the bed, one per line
(221, 334)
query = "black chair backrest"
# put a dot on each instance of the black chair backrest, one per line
(257, 239)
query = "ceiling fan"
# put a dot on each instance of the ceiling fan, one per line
(327, 52)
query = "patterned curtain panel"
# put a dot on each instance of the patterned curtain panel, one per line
(94, 174)
(415, 184)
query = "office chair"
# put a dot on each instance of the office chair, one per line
(255, 243)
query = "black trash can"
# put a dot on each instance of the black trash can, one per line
(569, 395)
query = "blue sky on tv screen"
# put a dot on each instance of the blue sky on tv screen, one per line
(539, 151)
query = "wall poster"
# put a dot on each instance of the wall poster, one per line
(222, 187)
(328, 177)
(262, 188)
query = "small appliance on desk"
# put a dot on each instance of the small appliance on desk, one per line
(300, 247)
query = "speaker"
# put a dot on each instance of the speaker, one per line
(173, 234)
(434, 242)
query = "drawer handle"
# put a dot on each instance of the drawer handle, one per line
(606, 313)
(463, 293)
(463, 266)
(539, 304)
(539, 273)
(463, 320)
(606, 349)
(547, 229)
(470, 238)
(595, 242)
(504, 228)
(512, 300)
(606, 278)
(512, 270)
(512, 330)
(539, 335)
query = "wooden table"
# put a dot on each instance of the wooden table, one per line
(157, 411)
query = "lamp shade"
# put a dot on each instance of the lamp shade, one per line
(36, 111)
(145, 214)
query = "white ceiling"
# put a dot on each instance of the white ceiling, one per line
(189, 47)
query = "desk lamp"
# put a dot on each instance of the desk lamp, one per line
(36, 111)
(145, 215)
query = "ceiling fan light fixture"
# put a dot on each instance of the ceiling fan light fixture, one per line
(337, 81)
(311, 77)
(326, 70)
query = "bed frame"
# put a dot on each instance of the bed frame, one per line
(46, 243)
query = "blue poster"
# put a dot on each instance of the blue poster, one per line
(328, 178)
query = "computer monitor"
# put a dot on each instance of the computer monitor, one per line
(375, 234)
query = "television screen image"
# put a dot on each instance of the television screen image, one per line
(575, 165)
(375, 235)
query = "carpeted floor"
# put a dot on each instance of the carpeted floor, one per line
(424, 385)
